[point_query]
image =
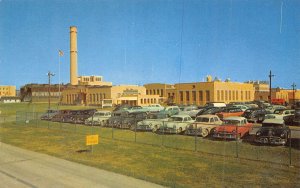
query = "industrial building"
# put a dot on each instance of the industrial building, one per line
(199, 93)
(7, 91)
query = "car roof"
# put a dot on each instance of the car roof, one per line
(104, 111)
(274, 121)
(208, 115)
(235, 118)
(183, 115)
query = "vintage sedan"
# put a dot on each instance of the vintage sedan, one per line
(233, 128)
(49, 114)
(203, 125)
(176, 124)
(99, 118)
(255, 114)
(152, 123)
(228, 112)
(131, 119)
(273, 132)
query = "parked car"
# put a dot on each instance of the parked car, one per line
(228, 112)
(272, 131)
(152, 123)
(154, 108)
(60, 115)
(189, 110)
(296, 119)
(255, 114)
(215, 104)
(49, 114)
(78, 116)
(170, 111)
(203, 125)
(233, 128)
(136, 109)
(210, 110)
(272, 108)
(242, 107)
(130, 121)
(116, 118)
(279, 114)
(176, 124)
(99, 118)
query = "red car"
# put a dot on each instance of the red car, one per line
(228, 112)
(233, 128)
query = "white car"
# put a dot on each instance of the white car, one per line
(99, 118)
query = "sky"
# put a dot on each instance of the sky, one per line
(151, 41)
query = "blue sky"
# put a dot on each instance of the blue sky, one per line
(147, 41)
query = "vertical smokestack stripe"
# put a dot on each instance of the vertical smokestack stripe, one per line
(73, 56)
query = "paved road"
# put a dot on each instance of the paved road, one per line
(23, 168)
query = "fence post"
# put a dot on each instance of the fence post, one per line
(163, 133)
(290, 148)
(236, 142)
(196, 129)
(135, 124)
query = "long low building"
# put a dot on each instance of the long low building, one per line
(105, 95)
(199, 93)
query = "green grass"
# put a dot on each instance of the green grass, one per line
(164, 159)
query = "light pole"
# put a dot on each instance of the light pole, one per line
(294, 86)
(60, 54)
(49, 84)
(270, 89)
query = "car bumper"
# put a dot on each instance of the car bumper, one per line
(224, 135)
(193, 132)
(271, 140)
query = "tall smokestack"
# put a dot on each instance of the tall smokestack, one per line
(73, 56)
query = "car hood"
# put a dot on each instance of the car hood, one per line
(226, 128)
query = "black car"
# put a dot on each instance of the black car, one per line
(210, 110)
(296, 118)
(116, 118)
(255, 114)
(272, 132)
(131, 119)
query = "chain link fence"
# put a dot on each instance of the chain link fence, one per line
(244, 148)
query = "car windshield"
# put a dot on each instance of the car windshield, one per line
(175, 119)
(202, 119)
(273, 125)
(278, 112)
(231, 122)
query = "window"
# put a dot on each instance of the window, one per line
(226, 95)
(141, 101)
(229, 95)
(207, 95)
(194, 95)
(181, 95)
(233, 95)
(154, 92)
(222, 95)
(157, 92)
(242, 97)
(161, 92)
(218, 95)
(200, 95)
(187, 93)
(150, 92)
(147, 92)
(237, 95)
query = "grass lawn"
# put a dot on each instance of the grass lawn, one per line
(155, 157)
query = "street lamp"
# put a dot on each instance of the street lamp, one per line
(49, 83)
(294, 86)
(270, 89)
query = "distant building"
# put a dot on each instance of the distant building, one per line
(40, 92)
(99, 95)
(7, 91)
(93, 81)
(199, 93)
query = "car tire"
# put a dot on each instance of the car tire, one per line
(180, 130)
(155, 127)
(204, 133)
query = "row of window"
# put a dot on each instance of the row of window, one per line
(194, 95)
(233, 95)
(149, 101)
(159, 92)
(97, 79)
(3, 88)
(44, 94)
(94, 98)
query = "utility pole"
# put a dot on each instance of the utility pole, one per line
(49, 84)
(270, 89)
(294, 86)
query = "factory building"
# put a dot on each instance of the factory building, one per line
(108, 95)
(200, 93)
(7, 91)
